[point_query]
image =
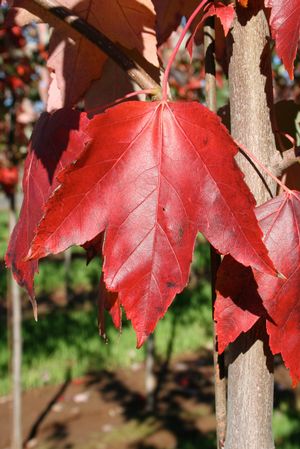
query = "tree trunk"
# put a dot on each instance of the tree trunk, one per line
(250, 378)
(15, 300)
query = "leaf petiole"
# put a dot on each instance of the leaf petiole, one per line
(175, 51)
(262, 166)
(153, 92)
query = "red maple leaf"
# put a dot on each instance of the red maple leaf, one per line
(285, 26)
(225, 13)
(154, 174)
(56, 142)
(239, 307)
(129, 23)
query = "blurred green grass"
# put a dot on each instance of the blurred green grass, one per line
(68, 340)
(66, 336)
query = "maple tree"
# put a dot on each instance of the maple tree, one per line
(151, 174)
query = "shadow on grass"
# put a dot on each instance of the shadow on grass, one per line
(184, 399)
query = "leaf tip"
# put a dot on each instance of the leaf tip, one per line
(34, 308)
(141, 338)
(104, 336)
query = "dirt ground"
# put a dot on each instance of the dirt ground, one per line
(107, 410)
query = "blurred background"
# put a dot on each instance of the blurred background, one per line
(80, 392)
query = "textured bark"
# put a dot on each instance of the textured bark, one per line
(250, 380)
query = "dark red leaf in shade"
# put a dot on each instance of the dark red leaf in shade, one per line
(225, 14)
(285, 26)
(128, 23)
(9, 178)
(154, 174)
(238, 305)
(169, 14)
(108, 301)
(93, 248)
(57, 140)
(279, 219)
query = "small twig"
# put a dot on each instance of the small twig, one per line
(259, 164)
(120, 100)
(283, 180)
(282, 162)
(175, 51)
(102, 42)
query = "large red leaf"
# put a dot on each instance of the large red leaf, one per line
(285, 26)
(279, 219)
(129, 23)
(153, 175)
(57, 140)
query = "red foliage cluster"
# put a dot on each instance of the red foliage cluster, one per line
(9, 178)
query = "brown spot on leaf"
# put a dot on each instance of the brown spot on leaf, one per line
(180, 232)
(171, 284)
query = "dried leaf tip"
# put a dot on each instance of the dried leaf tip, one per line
(34, 308)
(141, 338)
(103, 336)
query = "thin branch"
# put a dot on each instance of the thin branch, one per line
(175, 50)
(282, 162)
(244, 149)
(102, 42)
(219, 364)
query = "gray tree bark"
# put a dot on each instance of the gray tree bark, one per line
(250, 378)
